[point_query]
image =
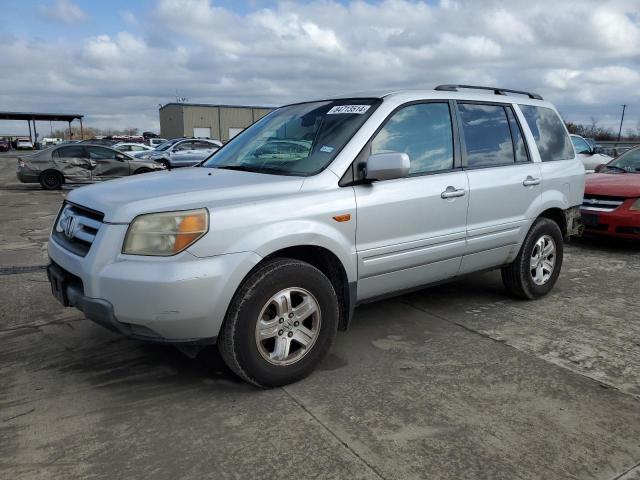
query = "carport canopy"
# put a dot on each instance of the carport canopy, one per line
(52, 117)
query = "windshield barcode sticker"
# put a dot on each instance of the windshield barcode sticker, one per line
(357, 109)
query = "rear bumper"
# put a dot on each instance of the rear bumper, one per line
(27, 176)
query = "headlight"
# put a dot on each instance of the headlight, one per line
(635, 205)
(165, 234)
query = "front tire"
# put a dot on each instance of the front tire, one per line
(280, 324)
(535, 270)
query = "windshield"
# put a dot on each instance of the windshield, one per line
(629, 162)
(297, 140)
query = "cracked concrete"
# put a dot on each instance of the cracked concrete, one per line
(455, 381)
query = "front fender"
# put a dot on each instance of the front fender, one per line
(293, 220)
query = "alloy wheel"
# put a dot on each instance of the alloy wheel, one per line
(288, 326)
(543, 259)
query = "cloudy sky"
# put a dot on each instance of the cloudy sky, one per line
(116, 61)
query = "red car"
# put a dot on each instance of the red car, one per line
(611, 203)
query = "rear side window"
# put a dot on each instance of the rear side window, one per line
(422, 131)
(100, 153)
(518, 138)
(487, 135)
(549, 133)
(71, 152)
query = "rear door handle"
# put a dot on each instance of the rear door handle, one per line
(452, 192)
(530, 181)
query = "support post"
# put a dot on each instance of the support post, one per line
(81, 130)
(70, 134)
(624, 107)
(35, 133)
(30, 137)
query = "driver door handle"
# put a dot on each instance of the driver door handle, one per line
(530, 181)
(452, 192)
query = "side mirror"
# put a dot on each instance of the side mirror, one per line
(387, 166)
(120, 157)
(600, 168)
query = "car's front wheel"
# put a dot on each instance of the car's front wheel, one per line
(535, 270)
(280, 323)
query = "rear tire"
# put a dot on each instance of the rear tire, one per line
(282, 306)
(51, 180)
(166, 164)
(535, 270)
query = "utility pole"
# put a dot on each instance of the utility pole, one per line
(624, 107)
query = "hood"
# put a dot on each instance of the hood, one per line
(592, 161)
(613, 184)
(122, 200)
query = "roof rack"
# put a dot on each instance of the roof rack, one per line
(496, 90)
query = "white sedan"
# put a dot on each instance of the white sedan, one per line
(585, 152)
(132, 148)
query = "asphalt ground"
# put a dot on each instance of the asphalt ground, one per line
(451, 382)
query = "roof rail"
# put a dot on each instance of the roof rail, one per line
(496, 90)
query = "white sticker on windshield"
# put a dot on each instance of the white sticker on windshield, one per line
(326, 149)
(357, 109)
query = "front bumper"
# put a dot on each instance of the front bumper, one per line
(71, 294)
(181, 299)
(621, 222)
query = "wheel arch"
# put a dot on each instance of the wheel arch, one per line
(330, 265)
(557, 215)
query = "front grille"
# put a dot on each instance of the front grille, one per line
(76, 228)
(601, 203)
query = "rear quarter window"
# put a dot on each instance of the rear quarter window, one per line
(549, 133)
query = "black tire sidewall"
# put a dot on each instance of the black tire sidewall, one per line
(297, 274)
(542, 227)
(53, 174)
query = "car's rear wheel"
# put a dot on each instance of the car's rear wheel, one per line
(166, 164)
(535, 270)
(280, 323)
(51, 180)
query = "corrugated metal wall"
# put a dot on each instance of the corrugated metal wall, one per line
(171, 121)
(218, 119)
(196, 116)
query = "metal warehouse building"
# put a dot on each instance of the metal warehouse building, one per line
(220, 122)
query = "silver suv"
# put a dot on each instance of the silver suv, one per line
(267, 255)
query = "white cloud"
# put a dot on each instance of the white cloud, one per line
(64, 11)
(584, 55)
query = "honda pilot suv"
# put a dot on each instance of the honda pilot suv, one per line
(268, 255)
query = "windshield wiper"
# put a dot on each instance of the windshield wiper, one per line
(254, 169)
